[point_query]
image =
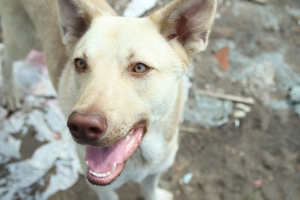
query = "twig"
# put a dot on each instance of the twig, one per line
(248, 100)
(194, 130)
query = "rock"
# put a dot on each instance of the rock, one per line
(222, 57)
(187, 178)
(295, 94)
(239, 114)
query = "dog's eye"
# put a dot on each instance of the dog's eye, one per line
(80, 64)
(140, 68)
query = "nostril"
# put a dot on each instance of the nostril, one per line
(95, 130)
(73, 128)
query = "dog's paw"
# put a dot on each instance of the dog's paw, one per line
(10, 98)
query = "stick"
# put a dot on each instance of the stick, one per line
(248, 100)
(194, 130)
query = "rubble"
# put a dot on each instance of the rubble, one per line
(40, 112)
(264, 16)
(208, 112)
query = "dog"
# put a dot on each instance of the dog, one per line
(119, 80)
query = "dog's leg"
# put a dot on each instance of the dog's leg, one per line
(10, 96)
(19, 37)
(151, 191)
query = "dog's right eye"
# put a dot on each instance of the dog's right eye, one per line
(140, 68)
(80, 64)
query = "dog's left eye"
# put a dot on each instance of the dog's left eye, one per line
(140, 68)
(80, 64)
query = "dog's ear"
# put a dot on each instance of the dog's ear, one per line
(75, 18)
(188, 22)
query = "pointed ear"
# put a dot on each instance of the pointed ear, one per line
(75, 18)
(188, 22)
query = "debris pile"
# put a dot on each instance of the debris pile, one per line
(25, 179)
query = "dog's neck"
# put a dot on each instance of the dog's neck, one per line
(166, 129)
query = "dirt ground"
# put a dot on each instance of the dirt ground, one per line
(260, 158)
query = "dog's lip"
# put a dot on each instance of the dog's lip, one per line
(78, 141)
(114, 174)
(141, 123)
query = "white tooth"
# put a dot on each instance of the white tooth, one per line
(87, 163)
(91, 172)
(127, 138)
(100, 175)
(113, 167)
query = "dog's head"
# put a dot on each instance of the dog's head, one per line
(126, 74)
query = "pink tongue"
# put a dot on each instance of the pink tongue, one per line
(101, 159)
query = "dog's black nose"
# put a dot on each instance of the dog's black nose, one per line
(87, 128)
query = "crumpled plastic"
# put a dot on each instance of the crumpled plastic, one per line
(138, 7)
(25, 178)
(9, 148)
(61, 154)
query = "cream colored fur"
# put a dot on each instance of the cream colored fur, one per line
(111, 46)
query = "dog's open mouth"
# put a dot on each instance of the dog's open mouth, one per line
(106, 164)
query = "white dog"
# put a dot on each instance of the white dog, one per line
(119, 80)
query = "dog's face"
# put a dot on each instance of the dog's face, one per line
(126, 75)
(131, 75)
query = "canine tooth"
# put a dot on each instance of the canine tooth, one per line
(113, 167)
(127, 138)
(91, 172)
(87, 163)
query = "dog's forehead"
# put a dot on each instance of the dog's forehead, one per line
(111, 36)
(121, 28)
